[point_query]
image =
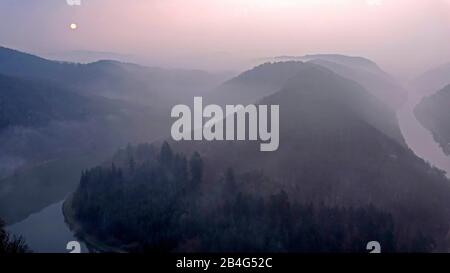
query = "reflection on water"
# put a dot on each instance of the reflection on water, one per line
(46, 231)
(419, 139)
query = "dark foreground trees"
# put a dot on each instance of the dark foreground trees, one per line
(11, 245)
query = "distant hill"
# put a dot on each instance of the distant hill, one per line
(49, 134)
(361, 62)
(152, 86)
(20, 64)
(57, 118)
(41, 120)
(432, 80)
(433, 112)
(362, 70)
(260, 81)
(268, 78)
(88, 56)
(36, 103)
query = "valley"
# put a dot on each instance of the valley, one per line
(355, 138)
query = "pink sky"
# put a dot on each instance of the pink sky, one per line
(404, 36)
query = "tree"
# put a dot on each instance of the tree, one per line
(196, 166)
(181, 168)
(230, 186)
(166, 154)
(8, 245)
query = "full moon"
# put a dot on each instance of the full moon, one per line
(73, 26)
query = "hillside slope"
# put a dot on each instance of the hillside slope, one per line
(433, 112)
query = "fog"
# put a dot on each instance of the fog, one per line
(406, 37)
(353, 137)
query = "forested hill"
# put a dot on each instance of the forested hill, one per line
(36, 103)
(432, 80)
(362, 70)
(332, 167)
(152, 86)
(151, 199)
(269, 78)
(330, 152)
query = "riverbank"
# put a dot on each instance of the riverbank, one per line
(418, 138)
(93, 243)
(45, 231)
(57, 177)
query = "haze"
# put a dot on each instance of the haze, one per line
(406, 37)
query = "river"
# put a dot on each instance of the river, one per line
(419, 139)
(46, 231)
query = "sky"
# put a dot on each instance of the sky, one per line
(406, 37)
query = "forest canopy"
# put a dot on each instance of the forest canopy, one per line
(153, 200)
